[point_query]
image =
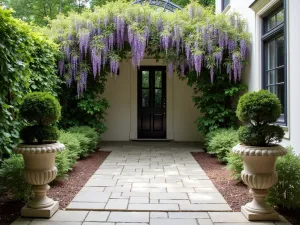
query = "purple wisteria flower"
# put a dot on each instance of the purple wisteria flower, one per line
(187, 51)
(61, 65)
(237, 67)
(229, 71)
(212, 72)
(243, 47)
(182, 68)
(114, 66)
(218, 58)
(198, 60)
(84, 37)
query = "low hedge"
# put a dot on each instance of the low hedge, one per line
(286, 192)
(89, 132)
(220, 142)
(12, 178)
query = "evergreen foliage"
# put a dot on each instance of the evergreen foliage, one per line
(258, 110)
(27, 63)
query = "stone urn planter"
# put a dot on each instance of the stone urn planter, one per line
(259, 148)
(39, 171)
(41, 110)
(259, 174)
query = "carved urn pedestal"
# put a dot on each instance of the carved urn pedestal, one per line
(39, 171)
(259, 174)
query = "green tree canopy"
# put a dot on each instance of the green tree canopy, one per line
(38, 11)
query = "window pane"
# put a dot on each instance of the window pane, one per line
(271, 55)
(145, 97)
(272, 89)
(280, 95)
(158, 79)
(280, 17)
(225, 3)
(158, 97)
(280, 75)
(271, 77)
(271, 22)
(145, 79)
(280, 50)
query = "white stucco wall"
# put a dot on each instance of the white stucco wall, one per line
(293, 9)
(121, 92)
(252, 74)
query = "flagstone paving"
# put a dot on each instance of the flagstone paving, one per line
(148, 184)
(144, 218)
(150, 177)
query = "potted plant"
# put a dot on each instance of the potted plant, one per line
(259, 149)
(39, 149)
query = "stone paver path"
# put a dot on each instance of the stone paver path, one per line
(148, 184)
(144, 218)
(150, 177)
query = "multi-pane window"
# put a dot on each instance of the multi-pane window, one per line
(274, 73)
(225, 3)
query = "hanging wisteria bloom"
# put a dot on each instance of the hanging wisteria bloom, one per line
(193, 39)
(84, 37)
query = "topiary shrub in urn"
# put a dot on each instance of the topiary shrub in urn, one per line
(39, 149)
(259, 148)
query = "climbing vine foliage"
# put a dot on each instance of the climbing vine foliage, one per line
(190, 40)
(27, 63)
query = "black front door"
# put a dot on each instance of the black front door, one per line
(152, 102)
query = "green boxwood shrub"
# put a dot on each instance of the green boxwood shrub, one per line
(72, 144)
(260, 135)
(40, 108)
(84, 143)
(64, 163)
(46, 133)
(89, 132)
(12, 178)
(286, 192)
(210, 135)
(235, 165)
(222, 142)
(27, 134)
(261, 107)
(258, 110)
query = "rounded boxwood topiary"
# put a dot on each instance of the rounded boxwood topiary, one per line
(46, 134)
(27, 134)
(260, 135)
(258, 110)
(261, 107)
(40, 108)
(43, 134)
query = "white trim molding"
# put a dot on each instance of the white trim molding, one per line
(260, 7)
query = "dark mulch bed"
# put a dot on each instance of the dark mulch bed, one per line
(235, 193)
(63, 191)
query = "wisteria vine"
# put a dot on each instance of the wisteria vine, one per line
(192, 39)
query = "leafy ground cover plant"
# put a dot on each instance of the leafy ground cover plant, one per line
(12, 178)
(222, 142)
(235, 165)
(89, 132)
(286, 192)
(257, 110)
(72, 144)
